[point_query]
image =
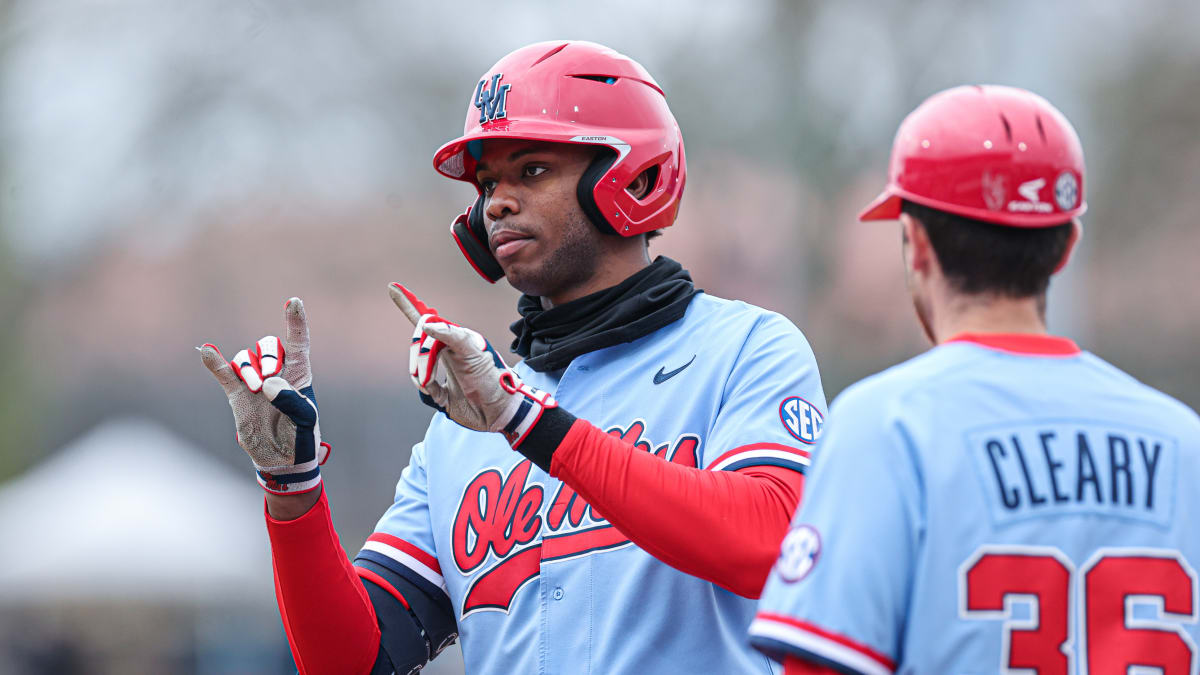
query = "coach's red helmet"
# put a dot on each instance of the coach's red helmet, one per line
(574, 92)
(997, 154)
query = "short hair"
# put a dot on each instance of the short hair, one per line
(978, 257)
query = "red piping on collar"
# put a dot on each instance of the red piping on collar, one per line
(1022, 343)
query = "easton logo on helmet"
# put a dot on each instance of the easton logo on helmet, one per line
(1030, 190)
(491, 101)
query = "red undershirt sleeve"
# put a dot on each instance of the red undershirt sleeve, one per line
(328, 617)
(721, 526)
(795, 666)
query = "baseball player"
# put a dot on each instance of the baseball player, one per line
(1004, 502)
(613, 502)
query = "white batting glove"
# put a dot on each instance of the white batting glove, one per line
(459, 373)
(274, 408)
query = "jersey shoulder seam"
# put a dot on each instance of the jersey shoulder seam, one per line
(892, 378)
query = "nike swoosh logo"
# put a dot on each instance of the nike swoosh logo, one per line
(661, 376)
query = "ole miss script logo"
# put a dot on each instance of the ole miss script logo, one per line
(502, 529)
(491, 101)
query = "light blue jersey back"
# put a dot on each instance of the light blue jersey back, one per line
(999, 504)
(539, 581)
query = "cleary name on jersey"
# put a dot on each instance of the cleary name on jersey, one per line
(999, 504)
(539, 581)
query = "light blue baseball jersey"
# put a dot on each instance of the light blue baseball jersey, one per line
(540, 582)
(999, 504)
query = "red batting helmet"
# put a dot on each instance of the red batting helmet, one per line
(997, 154)
(573, 92)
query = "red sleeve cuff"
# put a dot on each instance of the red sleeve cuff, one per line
(326, 612)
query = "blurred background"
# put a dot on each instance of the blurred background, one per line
(171, 172)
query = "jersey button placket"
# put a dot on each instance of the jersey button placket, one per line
(580, 367)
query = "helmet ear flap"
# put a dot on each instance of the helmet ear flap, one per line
(470, 233)
(475, 220)
(586, 190)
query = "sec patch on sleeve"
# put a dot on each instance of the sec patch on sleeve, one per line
(801, 419)
(798, 553)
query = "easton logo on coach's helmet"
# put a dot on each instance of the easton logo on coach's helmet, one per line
(491, 101)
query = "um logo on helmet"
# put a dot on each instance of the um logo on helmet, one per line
(491, 101)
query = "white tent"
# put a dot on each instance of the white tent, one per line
(129, 511)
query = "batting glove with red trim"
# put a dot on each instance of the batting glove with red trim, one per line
(274, 408)
(460, 374)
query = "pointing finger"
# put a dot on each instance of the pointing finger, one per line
(409, 303)
(296, 339)
(296, 368)
(219, 367)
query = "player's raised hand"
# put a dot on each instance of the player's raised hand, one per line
(460, 374)
(274, 409)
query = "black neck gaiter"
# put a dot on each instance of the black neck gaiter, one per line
(549, 339)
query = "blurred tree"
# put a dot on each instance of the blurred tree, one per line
(20, 402)
(1142, 221)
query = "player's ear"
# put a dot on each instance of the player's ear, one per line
(919, 257)
(640, 187)
(1076, 235)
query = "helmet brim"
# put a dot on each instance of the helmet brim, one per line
(884, 207)
(890, 202)
(453, 160)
